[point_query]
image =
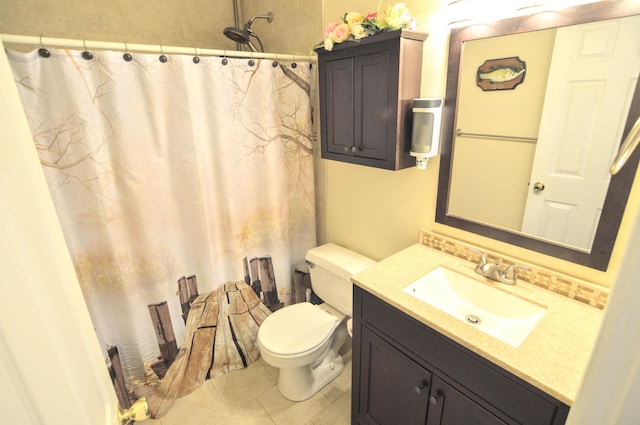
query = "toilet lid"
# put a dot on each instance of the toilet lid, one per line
(296, 328)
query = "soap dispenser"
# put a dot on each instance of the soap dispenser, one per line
(425, 135)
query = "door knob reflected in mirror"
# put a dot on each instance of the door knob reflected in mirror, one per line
(538, 187)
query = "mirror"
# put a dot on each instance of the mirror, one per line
(472, 195)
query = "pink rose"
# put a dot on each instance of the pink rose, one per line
(329, 29)
(341, 33)
(371, 16)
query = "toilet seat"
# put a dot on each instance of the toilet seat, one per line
(296, 329)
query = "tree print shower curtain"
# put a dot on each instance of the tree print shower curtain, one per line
(184, 169)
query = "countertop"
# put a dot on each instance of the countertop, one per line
(553, 357)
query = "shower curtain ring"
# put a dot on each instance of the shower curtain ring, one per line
(42, 51)
(275, 61)
(294, 65)
(251, 61)
(224, 58)
(163, 58)
(86, 54)
(196, 58)
(126, 56)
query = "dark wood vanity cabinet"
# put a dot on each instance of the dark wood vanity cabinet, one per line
(406, 373)
(366, 94)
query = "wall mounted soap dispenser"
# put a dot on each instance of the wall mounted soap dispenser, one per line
(425, 136)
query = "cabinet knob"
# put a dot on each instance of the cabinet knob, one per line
(435, 399)
(354, 149)
(346, 148)
(419, 388)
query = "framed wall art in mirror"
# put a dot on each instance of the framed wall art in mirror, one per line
(530, 166)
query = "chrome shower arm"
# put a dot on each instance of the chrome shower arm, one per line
(268, 17)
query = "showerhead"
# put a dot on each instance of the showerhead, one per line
(244, 35)
(236, 34)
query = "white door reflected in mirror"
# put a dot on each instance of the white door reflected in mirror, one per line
(593, 72)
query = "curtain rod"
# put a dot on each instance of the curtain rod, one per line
(146, 48)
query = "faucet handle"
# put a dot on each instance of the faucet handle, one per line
(483, 258)
(510, 273)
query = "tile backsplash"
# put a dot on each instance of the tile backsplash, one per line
(562, 284)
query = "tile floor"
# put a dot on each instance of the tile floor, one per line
(250, 396)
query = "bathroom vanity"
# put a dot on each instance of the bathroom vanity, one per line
(437, 381)
(414, 364)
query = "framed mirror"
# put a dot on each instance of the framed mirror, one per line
(512, 125)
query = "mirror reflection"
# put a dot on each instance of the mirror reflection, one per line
(535, 110)
(535, 158)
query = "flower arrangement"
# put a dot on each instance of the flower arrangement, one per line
(355, 26)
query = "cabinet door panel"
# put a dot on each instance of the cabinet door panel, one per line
(339, 105)
(394, 390)
(374, 117)
(451, 407)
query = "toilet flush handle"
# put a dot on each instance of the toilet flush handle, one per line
(309, 263)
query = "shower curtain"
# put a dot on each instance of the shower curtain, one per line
(169, 167)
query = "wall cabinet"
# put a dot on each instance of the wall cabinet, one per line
(366, 94)
(406, 373)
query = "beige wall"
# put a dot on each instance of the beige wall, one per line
(143, 21)
(196, 23)
(296, 27)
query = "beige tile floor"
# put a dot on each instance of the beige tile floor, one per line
(250, 396)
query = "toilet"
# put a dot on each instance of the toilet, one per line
(303, 339)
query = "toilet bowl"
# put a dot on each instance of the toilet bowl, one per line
(303, 340)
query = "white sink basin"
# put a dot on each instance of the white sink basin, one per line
(501, 315)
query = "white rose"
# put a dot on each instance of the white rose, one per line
(328, 44)
(357, 31)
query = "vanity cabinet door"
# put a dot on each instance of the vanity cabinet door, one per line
(394, 390)
(451, 407)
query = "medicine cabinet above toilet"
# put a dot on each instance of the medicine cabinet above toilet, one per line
(366, 95)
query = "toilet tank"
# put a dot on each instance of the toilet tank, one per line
(331, 267)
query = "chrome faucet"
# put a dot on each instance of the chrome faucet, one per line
(494, 271)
